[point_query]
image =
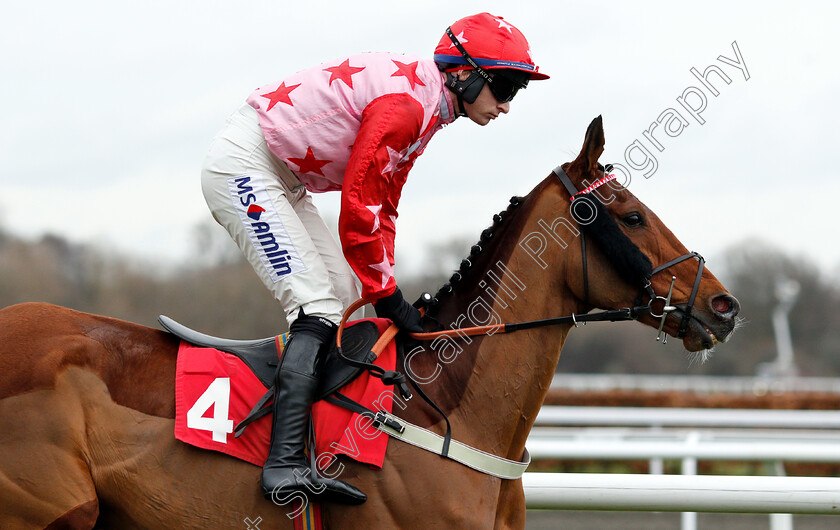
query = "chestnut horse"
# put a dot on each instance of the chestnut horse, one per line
(87, 403)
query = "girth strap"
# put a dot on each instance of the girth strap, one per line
(430, 441)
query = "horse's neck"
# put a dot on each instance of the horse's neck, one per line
(500, 395)
(512, 372)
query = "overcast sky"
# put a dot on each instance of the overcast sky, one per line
(108, 109)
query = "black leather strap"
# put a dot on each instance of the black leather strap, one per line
(259, 410)
(567, 182)
(585, 271)
(686, 318)
(674, 262)
(572, 189)
(460, 47)
(343, 401)
(687, 315)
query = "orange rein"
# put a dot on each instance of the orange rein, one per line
(392, 330)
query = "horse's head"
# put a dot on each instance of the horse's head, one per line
(626, 245)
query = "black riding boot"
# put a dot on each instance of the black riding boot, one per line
(287, 469)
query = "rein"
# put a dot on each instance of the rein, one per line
(479, 460)
(612, 315)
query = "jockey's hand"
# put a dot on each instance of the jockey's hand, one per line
(401, 313)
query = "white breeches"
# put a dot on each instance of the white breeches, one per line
(271, 216)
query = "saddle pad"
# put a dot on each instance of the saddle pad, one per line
(215, 390)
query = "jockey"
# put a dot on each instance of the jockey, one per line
(354, 125)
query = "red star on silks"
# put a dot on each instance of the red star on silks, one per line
(343, 72)
(281, 95)
(309, 164)
(409, 71)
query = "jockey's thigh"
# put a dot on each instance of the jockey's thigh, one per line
(272, 219)
(342, 277)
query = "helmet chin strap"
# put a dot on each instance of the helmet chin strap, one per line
(465, 91)
(461, 109)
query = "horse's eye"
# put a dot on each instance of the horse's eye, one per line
(633, 219)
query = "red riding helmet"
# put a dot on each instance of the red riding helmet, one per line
(491, 41)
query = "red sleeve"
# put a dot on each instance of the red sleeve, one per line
(373, 180)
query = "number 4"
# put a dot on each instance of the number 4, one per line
(218, 394)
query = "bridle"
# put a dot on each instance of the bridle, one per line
(639, 309)
(426, 301)
(612, 315)
(647, 287)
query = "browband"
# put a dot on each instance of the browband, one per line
(572, 189)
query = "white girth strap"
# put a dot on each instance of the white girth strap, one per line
(469, 456)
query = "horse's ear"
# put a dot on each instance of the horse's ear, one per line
(593, 145)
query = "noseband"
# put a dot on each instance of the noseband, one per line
(646, 282)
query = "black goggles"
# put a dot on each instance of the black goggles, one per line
(504, 88)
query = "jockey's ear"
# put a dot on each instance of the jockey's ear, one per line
(593, 146)
(463, 75)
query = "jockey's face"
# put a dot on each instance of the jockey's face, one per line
(485, 107)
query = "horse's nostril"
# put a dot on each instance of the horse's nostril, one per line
(725, 305)
(721, 305)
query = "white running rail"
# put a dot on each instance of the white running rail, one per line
(689, 435)
(680, 493)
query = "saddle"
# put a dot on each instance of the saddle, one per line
(333, 434)
(262, 355)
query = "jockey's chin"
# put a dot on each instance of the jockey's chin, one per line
(486, 107)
